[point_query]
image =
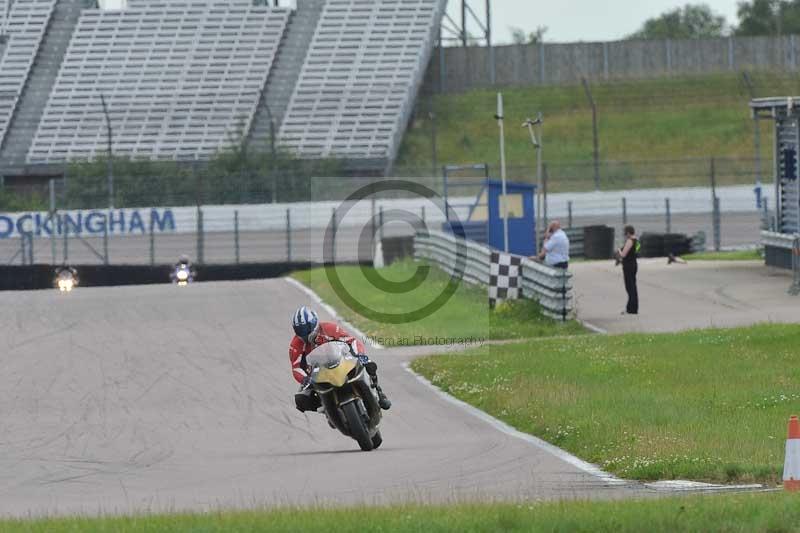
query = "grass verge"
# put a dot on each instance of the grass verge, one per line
(466, 314)
(738, 255)
(705, 405)
(648, 121)
(773, 513)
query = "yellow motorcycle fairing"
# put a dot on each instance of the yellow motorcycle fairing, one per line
(337, 376)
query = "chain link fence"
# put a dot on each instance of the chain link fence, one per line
(233, 219)
(252, 231)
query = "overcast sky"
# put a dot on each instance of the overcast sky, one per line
(569, 20)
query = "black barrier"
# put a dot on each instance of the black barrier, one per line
(778, 257)
(17, 278)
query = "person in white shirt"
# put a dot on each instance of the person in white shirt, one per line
(555, 250)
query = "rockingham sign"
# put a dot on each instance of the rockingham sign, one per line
(215, 218)
(91, 223)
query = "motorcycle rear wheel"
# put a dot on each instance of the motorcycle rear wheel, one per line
(358, 430)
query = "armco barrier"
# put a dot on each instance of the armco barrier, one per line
(551, 287)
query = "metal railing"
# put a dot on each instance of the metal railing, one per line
(551, 287)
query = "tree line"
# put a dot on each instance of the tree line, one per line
(698, 21)
(695, 21)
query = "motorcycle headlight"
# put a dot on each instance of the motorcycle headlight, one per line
(183, 275)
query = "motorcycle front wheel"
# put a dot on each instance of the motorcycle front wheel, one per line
(377, 440)
(358, 430)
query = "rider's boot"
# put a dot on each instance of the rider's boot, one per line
(383, 400)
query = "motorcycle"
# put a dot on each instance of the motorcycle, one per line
(347, 393)
(66, 280)
(182, 275)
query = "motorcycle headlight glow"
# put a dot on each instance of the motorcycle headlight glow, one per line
(182, 275)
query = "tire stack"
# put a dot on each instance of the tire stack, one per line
(652, 245)
(598, 242)
(663, 245)
(677, 244)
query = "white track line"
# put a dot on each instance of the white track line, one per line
(331, 311)
(592, 327)
(501, 426)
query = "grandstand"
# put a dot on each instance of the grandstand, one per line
(360, 78)
(183, 79)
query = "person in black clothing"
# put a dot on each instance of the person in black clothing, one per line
(628, 255)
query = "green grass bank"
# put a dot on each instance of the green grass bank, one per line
(774, 513)
(704, 405)
(656, 127)
(465, 314)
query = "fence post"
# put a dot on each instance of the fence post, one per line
(22, 251)
(544, 195)
(717, 225)
(236, 234)
(569, 214)
(380, 221)
(595, 140)
(668, 49)
(794, 290)
(288, 235)
(669, 215)
(53, 220)
(200, 237)
(767, 224)
(31, 260)
(333, 238)
(105, 238)
(422, 209)
(65, 229)
(731, 57)
(624, 211)
(541, 63)
(152, 244)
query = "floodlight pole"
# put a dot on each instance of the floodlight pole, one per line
(504, 201)
(110, 155)
(537, 144)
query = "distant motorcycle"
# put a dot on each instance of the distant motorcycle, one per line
(66, 279)
(347, 393)
(182, 275)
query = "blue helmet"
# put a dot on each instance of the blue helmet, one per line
(305, 323)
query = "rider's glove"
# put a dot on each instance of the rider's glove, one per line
(306, 382)
(363, 359)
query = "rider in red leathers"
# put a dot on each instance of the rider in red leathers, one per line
(311, 333)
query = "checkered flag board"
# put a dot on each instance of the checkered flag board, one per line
(504, 275)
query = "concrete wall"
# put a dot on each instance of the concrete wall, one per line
(457, 69)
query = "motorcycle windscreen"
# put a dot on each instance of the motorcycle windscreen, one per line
(331, 363)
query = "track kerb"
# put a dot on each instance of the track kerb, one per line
(791, 465)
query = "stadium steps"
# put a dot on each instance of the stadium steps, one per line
(40, 82)
(285, 72)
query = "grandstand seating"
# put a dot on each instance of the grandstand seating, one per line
(360, 77)
(167, 4)
(181, 79)
(26, 25)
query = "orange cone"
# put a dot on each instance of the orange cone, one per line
(791, 465)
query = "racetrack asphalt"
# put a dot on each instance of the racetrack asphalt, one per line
(678, 297)
(156, 398)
